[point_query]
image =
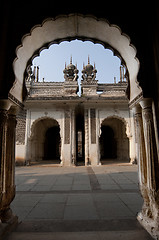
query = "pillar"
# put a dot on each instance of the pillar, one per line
(73, 132)
(86, 120)
(141, 158)
(7, 161)
(152, 163)
(148, 165)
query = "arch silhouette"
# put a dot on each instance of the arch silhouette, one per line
(70, 27)
(126, 124)
(34, 123)
(39, 146)
(114, 140)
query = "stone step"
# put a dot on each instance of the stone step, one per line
(79, 225)
(102, 235)
(80, 230)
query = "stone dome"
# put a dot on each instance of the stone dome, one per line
(89, 68)
(70, 67)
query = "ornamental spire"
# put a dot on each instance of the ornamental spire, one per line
(88, 60)
(71, 59)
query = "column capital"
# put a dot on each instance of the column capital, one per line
(146, 103)
(13, 110)
(5, 104)
(137, 109)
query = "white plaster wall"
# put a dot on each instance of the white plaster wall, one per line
(66, 155)
(115, 112)
(93, 154)
(37, 114)
(20, 153)
(94, 148)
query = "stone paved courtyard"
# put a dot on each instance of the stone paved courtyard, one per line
(78, 202)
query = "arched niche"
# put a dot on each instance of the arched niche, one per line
(113, 140)
(70, 27)
(125, 121)
(37, 141)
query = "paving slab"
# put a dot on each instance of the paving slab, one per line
(78, 203)
(121, 235)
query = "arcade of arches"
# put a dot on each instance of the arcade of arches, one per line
(81, 120)
(143, 105)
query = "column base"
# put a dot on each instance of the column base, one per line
(151, 225)
(6, 215)
(6, 228)
(133, 161)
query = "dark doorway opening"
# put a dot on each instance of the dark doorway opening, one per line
(52, 144)
(80, 137)
(108, 146)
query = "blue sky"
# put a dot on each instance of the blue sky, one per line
(52, 61)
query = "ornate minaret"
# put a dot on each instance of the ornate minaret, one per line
(70, 72)
(71, 77)
(89, 83)
(89, 73)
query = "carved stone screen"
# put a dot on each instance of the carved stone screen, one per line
(67, 127)
(93, 125)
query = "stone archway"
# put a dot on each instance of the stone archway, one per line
(36, 147)
(75, 26)
(114, 143)
(70, 27)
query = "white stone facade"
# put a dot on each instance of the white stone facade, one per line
(56, 107)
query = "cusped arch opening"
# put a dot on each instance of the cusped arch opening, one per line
(45, 141)
(70, 27)
(113, 140)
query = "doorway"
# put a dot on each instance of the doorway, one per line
(108, 146)
(80, 137)
(52, 144)
(113, 142)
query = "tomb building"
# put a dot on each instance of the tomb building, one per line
(68, 127)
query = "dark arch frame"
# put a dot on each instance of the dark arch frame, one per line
(70, 27)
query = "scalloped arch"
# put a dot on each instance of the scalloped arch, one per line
(69, 27)
(34, 123)
(125, 122)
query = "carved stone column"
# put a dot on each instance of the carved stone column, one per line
(73, 138)
(86, 120)
(141, 157)
(152, 163)
(7, 125)
(7, 160)
(3, 137)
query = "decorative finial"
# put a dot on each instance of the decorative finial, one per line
(88, 60)
(65, 65)
(71, 59)
(94, 65)
(83, 65)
